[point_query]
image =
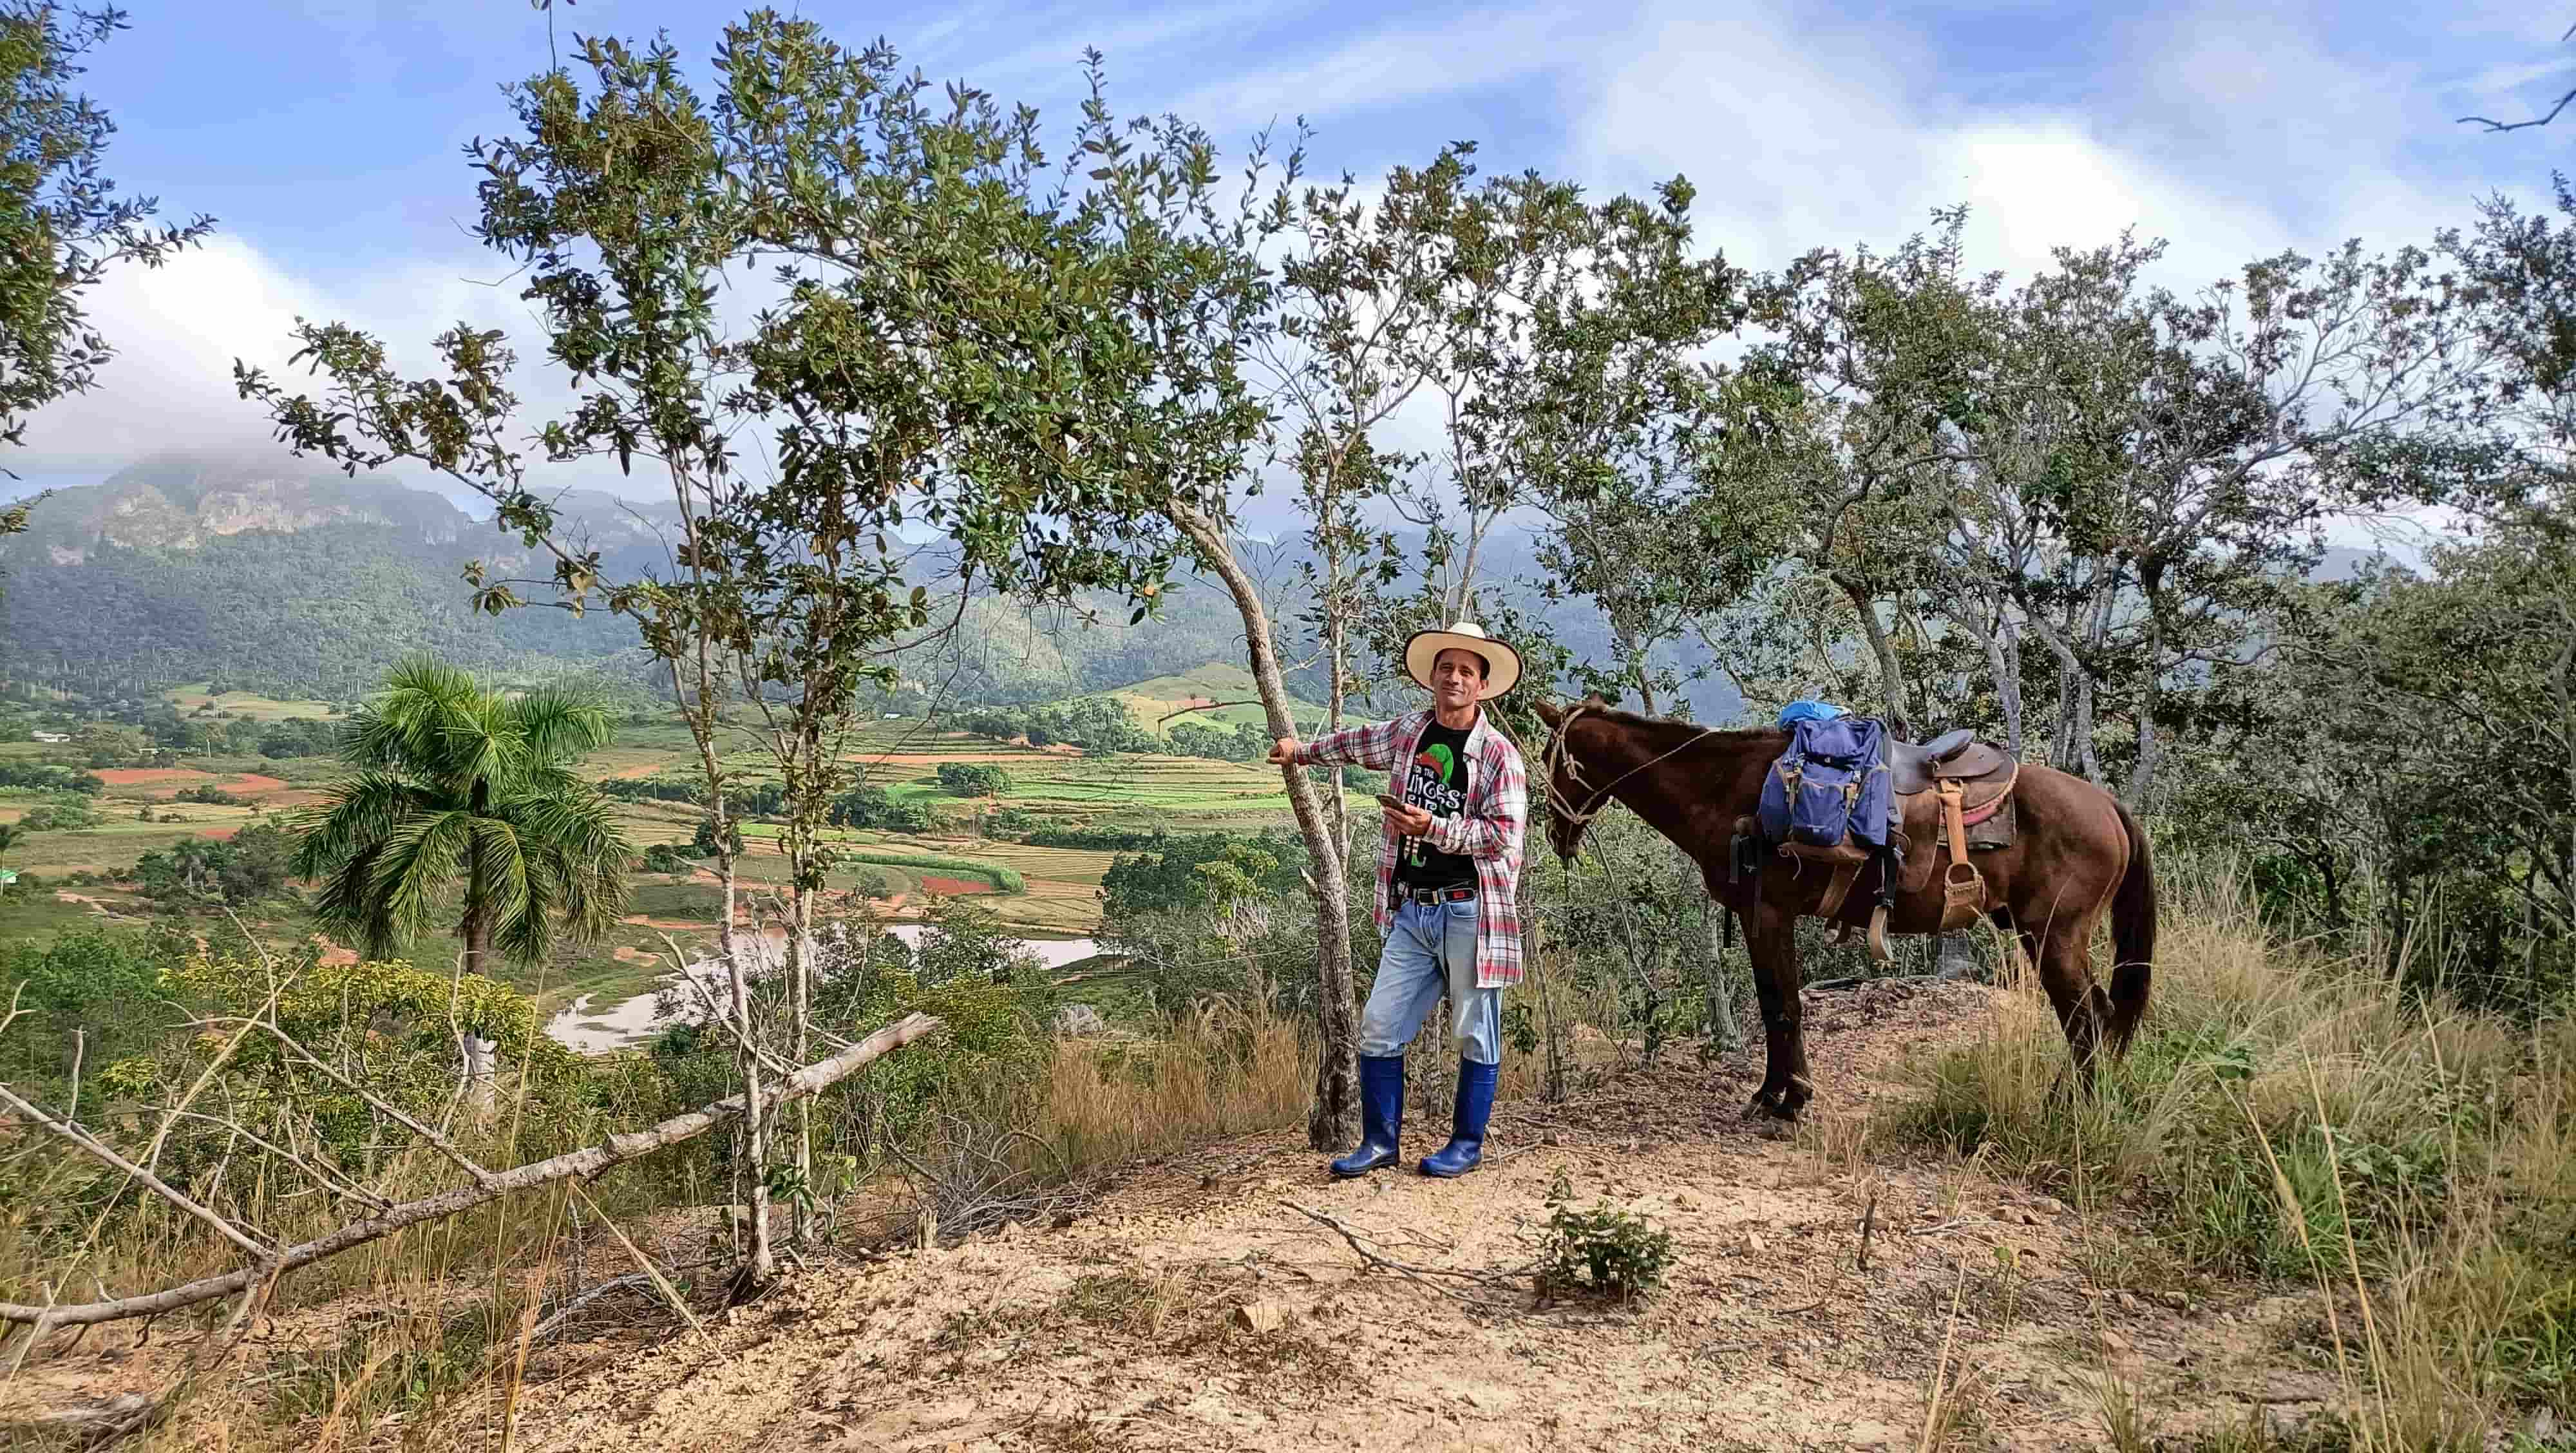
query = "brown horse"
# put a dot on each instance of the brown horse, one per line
(2075, 852)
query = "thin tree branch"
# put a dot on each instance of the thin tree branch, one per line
(159, 1187)
(587, 1162)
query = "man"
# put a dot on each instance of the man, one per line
(1448, 877)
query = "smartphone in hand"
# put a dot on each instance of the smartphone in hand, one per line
(1389, 803)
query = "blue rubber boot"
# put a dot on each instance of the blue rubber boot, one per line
(1381, 1116)
(1466, 1147)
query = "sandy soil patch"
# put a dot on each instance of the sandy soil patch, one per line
(952, 887)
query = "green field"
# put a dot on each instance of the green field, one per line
(194, 697)
(1219, 692)
(1042, 892)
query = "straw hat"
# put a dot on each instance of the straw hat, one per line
(1502, 663)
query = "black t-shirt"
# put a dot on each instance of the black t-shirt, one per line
(1436, 781)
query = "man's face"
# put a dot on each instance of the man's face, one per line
(1456, 677)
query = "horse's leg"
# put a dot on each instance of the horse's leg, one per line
(2061, 953)
(1771, 940)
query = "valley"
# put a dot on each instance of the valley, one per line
(602, 996)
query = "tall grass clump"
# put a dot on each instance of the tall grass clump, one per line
(2290, 1112)
(1226, 1067)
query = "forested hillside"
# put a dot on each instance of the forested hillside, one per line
(276, 576)
(292, 579)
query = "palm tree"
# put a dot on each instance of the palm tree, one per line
(465, 801)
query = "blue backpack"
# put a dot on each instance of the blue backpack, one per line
(1829, 796)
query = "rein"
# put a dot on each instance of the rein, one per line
(1561, 755)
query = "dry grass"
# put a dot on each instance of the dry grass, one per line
(1223, 1070)
(2289, 1114)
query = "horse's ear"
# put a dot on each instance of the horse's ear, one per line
(1548, 714)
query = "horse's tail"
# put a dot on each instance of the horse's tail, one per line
(2133, 935)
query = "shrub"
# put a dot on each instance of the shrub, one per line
(974, 779)
(1600, 1252)
(1097, 839)
(667, 858)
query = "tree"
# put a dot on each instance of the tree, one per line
(466, 802)
(2153, 471)
(62, 224)
(937, 360)
(974, 779)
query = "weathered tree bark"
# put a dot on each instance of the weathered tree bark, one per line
(1334, 1120)
(2001, 636)
(586, 1162)
(92, 1422)
(478, 1070)
(1891, 671)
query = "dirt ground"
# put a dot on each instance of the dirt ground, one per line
(1197, 1305)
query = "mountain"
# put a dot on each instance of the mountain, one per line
(283, 576)
(291, 578)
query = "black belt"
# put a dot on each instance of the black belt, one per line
(1406, 893)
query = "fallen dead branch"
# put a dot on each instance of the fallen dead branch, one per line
(92, 1422)
(1517, 1281)
(586, 1162)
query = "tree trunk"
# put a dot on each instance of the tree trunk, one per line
(1336, 665)
(1722, 1028)
(476, 928)
(478, 1070)
(1891, 671)
(800, 1012)
(1333, 1123)
(2001, 637)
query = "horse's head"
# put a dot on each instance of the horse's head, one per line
(1568, 794)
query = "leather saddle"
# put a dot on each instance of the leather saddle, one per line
(1953, 756)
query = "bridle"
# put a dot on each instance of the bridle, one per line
(1560, 755)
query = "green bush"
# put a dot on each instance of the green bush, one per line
(1601, 1251)
(974, 779)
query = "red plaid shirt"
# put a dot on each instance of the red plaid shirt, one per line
(1489, 829)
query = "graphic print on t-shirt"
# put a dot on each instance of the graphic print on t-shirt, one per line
(1436, 782)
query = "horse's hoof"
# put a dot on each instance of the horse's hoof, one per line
(1771, 1105)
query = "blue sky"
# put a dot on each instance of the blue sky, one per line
(325, 135)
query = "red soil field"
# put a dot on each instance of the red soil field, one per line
(146, 776)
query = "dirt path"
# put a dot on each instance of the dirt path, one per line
(1196, 1308)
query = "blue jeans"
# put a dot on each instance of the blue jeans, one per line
(1431, 948)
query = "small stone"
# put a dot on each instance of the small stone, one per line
(1551, 1138)
(2114, 1341)
(2127, 1302)
(1753, 1242)
(1261, 1316)
(2052, 1205)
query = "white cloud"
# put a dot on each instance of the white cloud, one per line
(2230, 136)
(176, 330)
(1392, 67)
